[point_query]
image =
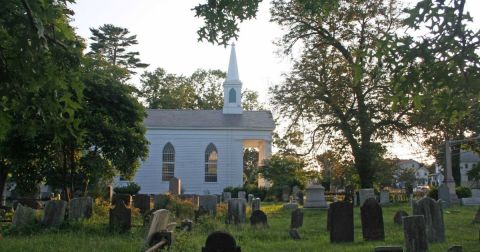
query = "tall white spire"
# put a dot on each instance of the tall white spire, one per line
(232, 87)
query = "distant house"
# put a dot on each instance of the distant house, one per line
(468, 160)
(421, 172)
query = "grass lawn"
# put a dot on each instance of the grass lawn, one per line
(92, 235)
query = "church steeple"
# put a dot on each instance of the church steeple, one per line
(232, 87)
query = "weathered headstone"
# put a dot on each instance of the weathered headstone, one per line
(397, 219)
(250, 198)
(120, 217)
(315, 197)
(175, 186)
(236, 212)
(241, 194)
(455, 248)
(80, 208)
(286, 193)
(384, 197)
(160, 201)
(126, 198)
(296, 220)
(159, 223)
(414, 232)
(209, 203)
(54, 214)
(258, 219)
(23, 217)
(226, 196)
(256, 204)
(365, 194)
(32, 203)
(388, 249)
(372, 220)
(444, 195)
(220, 241)
(341, 222)
(142, 202)
(290, 206)
(433, 214)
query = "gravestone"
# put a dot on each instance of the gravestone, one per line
(256, 204)
(159, 222)
(142, 202)
(341, 222)
(349, 192)
(250, 198)
(32, 203)
(226, 196)
(472, 201)
(364, 194)
(175, 186)
(414, 233)
(433, 214)
(285, 193)
(23, 217)
(80, 208)
(241, 195)
(384, 197)
(54, 213)
(120, 217)
(258, 219)
(126, 198)
(455, 248)
(397, 219)
(444, 195)
(372, 220)
(290, 206)
(220, 241)
(296, 220)
(160, 201)
(388, 249)
(208, 203)
(236, 211)
(315, 197)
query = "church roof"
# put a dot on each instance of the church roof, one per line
(208, 119)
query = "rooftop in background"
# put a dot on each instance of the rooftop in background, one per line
(469, 157)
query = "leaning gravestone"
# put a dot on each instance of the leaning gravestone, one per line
(120, 217)
(433, 214)
(341, 222)
(397, 219)
(175, 186)
(220, 241)
(208, 203)
(444, 195)
(315, 197)
(142, 202)
(372, 221)
(364, 194)
(126, 198)
(258, 219)
(226, 196)
(23, 217)
(236, 212)
(414, 232)
(296, 220)
(241, 194)
(250, 198)
(54, 214)
(159, 223)
(384, 197)
(80, 208)
(285, 193)
(256, 204)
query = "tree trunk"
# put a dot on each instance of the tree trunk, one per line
(363, 165)
(3, 180)
(66, 190)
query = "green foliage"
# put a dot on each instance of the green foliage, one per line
(407, 175)
(474, 173)
(433, 193)
(463, 192)
(132, 188)
(180, 208)
(248, 189)
(250, 166)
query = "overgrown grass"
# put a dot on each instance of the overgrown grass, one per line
(93, 235)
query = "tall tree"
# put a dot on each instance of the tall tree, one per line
(113, 44)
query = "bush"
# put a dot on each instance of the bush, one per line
(433, 193)
(132, 189)
(180, 208)
(463, 192)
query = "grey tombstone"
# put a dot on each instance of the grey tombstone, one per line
(296, 220)
(364, 194)
(175, 186)
(414, 233)
(256, 204)
(372, 221)
(398, 218)
(208, 203)
(220, 241)
(142, 202)
(250, 198)
(315, 197)
(433, 214)
(388, 249)
(23, 217)
(444, 195)
(258, 219)
(159, 223)
(341, 222)
(54, 214)
(120, 217)
(472, 201)
(285, 193)
(236, 211)
(384, 197)
(241, 195)
(80, 208)
(455, 248)
(226, 196)
(126, 198)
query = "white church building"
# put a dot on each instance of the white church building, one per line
(204, 148)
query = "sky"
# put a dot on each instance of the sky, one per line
(166, 32)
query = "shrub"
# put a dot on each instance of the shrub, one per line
(433, 193)
(180, 208)
(132, 189)
(463, 192)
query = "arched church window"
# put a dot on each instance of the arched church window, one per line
(211, 158)
(168, 158)
(232, 96)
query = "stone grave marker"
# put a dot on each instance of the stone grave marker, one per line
(80, 208)
(364, 194)
(285, 193)
(472, 201)
(414, 233)
(315, 197)
(341, 222)
(388, 249)
(241, 195)
(444, 195)
(236, 211)
(220, 241)
(126, 198)
(258, 219)
(433, 214)
(372, 220)
(32, 203)
(256, 204)
(23, 217)
(296, 220)
(384, 197)
(208, 203)
(175, 186)
(455, 248)
(226, 196)
(120, 217)
(142, 202)
(159, 223)
(397, 219)
(250, 198)
(54, 213)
